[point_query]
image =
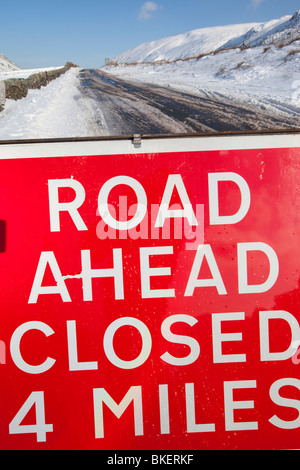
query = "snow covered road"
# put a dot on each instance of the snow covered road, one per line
(223, 78)
(130, 107)
(89, 103)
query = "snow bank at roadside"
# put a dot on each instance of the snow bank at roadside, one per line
(25, 73)
(55, 111)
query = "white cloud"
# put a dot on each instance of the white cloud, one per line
(256, 3)
(148, 10)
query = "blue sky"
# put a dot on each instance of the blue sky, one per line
(42, 33)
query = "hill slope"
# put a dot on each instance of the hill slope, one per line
(207, 40)
(6, 65)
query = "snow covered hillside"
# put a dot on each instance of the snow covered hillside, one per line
(257, 64)
(182, 46)
(6, 65)
(206, 40)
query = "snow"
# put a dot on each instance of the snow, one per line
(185, 45)
(264, 78)
(280, 31)
(55, 111)
(264, 72)
(24, 73)
(256, 63)
(6, 65)
(207, 40)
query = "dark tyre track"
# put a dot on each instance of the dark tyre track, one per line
(135, 108)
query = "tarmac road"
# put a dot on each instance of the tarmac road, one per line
(128, 107)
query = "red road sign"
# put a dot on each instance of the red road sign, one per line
(150, 296)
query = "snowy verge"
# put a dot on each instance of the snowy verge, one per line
(55, 111)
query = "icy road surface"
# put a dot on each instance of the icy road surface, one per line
(88, 103)
(128, 107)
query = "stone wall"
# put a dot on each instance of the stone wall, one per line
(16, 88)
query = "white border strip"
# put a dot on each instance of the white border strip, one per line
(156, 145)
